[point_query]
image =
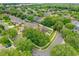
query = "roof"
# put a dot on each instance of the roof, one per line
(75, 23)
(15, 20)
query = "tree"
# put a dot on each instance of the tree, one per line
(66, 20)
(30, 18)
(19, 14)
(70, 26)
(58, 26)
(48, 21)
(65, 32)
(26, 53)
(5, 41)
(2, 7)
(6, 18)
(23, 17)
(63, 50)
(12, 11)
(36, 36)
(72, 38)
(11, 32)
(1, 28)
(24, 45)
(40, 14)
(9, 52)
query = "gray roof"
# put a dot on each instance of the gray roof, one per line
(15, 20)
(37, 18)
(75, 22)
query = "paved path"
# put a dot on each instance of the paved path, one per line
(46, 52)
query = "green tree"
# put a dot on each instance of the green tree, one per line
(71, 37)
(26, 53)
(58, 26)
(12, 11)
(63, 50)
(9, 52)
(66, 20)
(36, 36)
(48, 21)
(6, 19)
(1, 28)
(70, 26)
(23, 17)
(40, 14)
(30, 18)
(24, 45)
(11, 32)
(4, 40)
(65, 32)
(2, 7)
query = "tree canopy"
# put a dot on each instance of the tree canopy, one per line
(66, 20)
(48, 21)
(70, 26)
(5, 41)
(58, 26)
(11, 32)
(71, 37)
(24, 45)
(36, 36)
(30, 18)
(63, 50)
(9, 52)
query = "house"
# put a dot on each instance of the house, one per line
(76, 23)
(15, 20)
(37, 19)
